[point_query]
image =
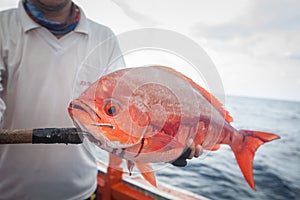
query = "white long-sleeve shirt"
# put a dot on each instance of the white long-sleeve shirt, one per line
(40, 74)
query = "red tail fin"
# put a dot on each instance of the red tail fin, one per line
(244, 153)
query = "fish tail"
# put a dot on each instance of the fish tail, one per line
(244, 151)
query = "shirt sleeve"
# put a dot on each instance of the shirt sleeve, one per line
(2, 103)
(115, 59)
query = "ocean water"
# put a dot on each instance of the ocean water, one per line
(276, 164)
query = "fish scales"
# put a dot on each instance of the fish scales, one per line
(147, 115)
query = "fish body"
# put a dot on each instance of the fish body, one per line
(147, 115)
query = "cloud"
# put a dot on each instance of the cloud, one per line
(292, 56)
(276, 14)
(267, 29)
(253, 43)
(260, 16)
(134, 14)
(257, 53)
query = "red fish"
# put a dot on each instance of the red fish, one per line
(147, 115)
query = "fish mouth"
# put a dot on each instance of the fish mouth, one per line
(82, 106)
(94, 119)
(103, 125)
(78, 107)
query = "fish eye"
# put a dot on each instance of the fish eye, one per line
(111, 108)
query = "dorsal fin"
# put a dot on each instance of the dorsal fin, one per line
(209, 97)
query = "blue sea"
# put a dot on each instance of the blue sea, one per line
(276, 164)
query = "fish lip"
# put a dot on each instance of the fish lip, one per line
(90, 109)
(82, 106)
(103, 125)
(78, 107)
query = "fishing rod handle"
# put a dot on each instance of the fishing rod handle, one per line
(15, 136)
(41, 136)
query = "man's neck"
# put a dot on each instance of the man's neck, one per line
(57, 13)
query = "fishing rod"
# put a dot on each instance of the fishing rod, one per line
(42, 136)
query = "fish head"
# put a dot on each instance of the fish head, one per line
(105, 111)
(116, 111)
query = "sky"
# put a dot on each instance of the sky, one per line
(254, 44)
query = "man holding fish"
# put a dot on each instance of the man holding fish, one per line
(42, 44)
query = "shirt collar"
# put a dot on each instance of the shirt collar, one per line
(28, 24)
(82, 26)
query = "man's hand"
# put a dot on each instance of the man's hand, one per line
(192, 151)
